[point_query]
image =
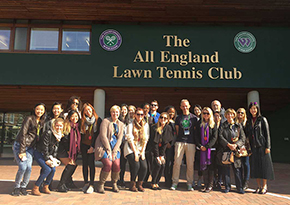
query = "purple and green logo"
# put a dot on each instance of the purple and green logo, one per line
(245, 42)
(110, 40)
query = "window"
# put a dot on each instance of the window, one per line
(5, 38)
(75, 40)
(37, 36)
(45, 39)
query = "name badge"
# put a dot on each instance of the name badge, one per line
(186, 132)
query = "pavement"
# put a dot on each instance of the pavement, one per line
(278, 190)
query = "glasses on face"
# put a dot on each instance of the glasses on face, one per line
(75, 103)
(154, 105)
(140, 114)
(240, 112)
(163, 118)
(205, 113)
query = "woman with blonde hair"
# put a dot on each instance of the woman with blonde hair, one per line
(160, 135)
(107, 148)
(90, 128)
(205, 138)
(242, 119)
(232, 138)
(134, 150)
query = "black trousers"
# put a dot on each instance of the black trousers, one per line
(137, 168)
(157, 171)
(169, 155)
(123, 162)
(88, 162)
(149, 159)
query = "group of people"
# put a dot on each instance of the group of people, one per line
(210, 140)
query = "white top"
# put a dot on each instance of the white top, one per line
(130, 138)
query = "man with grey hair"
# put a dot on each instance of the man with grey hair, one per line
(185, 143)
(216, 106)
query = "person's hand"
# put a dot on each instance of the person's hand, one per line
(136, 157)
(168, 146)
(162, 159)
(143, 156)
(91, 150)
(49, 162)
(114, 156)
(22, 156)
(159, 160)
(267, 151)
(232, 146)
(203, 148)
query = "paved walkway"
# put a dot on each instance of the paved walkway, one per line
(279, 191)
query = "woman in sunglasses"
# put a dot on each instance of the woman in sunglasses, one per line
(134, 150)
(232, 138)
(74, 103)
(259, 136)
(205, 138)
(242, 119)
(160, 135)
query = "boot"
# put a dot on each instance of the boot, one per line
(35, 191)
(103, 178)
(210, 183)
(45, 189)
(115, 177)
(133, 186)
(64, 177)
(69, 182)
(139, 186)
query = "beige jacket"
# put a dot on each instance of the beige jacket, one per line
(103, 140)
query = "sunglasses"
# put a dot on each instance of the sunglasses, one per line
(240, 112)
(75, 103)
(154, 105)
(205, 113)
(161, 117)
(139, 114)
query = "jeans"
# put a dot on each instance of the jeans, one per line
(227, 177)
(246, 168)
(24, 167)
(47, 172)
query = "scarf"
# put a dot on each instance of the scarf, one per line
(58, 135)
(204, 155)
(90, 121)
(75, 140)
(138, 132)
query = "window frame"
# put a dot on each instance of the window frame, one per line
(30, 25)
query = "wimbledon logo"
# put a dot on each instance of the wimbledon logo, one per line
(245, 42)
(110, 40)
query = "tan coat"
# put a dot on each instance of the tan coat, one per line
(103, 140)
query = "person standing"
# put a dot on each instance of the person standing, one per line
(107, 148)
(242, 119)
(216, 106)
(160, 134)
(259, 135)
(232, 138)
(206, 137)
(90, 128)
(134, 150)
(185, 143)
(23, 147)
(153, 111)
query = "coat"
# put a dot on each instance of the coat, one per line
(103, 140)
(47, 144)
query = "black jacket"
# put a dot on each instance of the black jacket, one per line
(259, 134)
(213, 136)
(47, 144)
(27, 135)
(158, 142)
(226, 136)
(96, 127)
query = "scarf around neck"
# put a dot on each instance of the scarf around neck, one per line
(58, 135)
(204, 155)
(75, 141)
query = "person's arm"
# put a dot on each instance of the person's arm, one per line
(266, 132)
(212, 138)
(130, 139)
(97, 132)
(119, 138)
(24, 135)
(45, 144)
(103, 135)
(242, 140)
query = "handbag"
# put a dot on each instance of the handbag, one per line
(228, 158)
(242, 152)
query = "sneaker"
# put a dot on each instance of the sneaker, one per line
(23, 191)
(90, 189)
(16, 192)
(199, 183)
(189, 187)
(173, 187)
(85, 188)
